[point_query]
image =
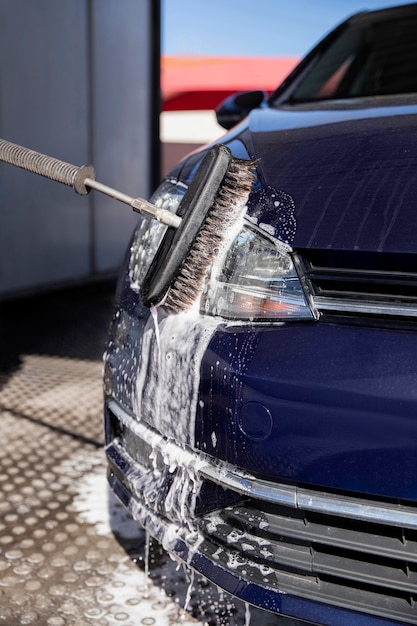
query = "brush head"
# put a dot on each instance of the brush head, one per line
(212, 203)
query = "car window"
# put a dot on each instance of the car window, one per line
(365, 60)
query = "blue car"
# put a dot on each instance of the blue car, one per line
(269, 438)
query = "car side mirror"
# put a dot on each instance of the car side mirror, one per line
(236, 107)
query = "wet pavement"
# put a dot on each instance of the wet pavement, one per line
(69, 553)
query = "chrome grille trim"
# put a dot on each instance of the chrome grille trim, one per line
(371, 308)
(235, 479)
(336, 288)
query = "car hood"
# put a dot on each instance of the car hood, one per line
(350, 169)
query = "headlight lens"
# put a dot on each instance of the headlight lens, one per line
(256, 280)
(149, 233)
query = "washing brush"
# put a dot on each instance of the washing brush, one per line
(213, 201)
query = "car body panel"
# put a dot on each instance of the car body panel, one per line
(340, 166)
(341, 404)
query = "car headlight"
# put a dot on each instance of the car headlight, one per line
(149, 233)
(256, 279)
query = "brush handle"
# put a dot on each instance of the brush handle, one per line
(47, 166)
(81, 179)
(139, 205)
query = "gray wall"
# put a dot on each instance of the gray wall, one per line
(75, 83)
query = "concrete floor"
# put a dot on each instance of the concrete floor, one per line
(69, 553)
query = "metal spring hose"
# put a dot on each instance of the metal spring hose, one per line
(46, 166)
(81, 179)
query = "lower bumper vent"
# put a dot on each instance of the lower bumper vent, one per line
(340, 561)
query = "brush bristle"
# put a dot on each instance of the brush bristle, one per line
(231, 199)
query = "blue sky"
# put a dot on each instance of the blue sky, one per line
(253, 27)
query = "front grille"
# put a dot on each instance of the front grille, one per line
(355, 282)
(344, 562)
(341, 549)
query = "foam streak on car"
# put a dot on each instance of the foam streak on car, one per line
(269, 437)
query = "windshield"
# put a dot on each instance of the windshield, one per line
(379, 58)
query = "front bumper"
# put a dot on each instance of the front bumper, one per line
(318, 556)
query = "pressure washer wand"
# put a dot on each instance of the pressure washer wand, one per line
(214, 201)
(138, 204)
(81, 179)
